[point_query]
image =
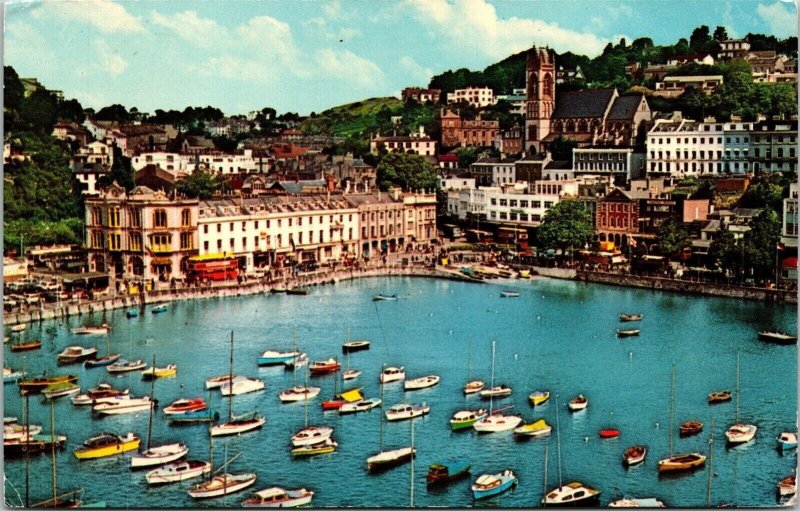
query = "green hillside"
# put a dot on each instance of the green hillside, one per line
(354, 119)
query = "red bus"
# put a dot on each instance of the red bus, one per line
(214, 267)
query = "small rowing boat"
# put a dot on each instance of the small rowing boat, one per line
(421, 383)
(690, 428)
(777, 337)
(25, 346)
(578, 403)
(350, 347)
(719, 396)
(627, 332)
(609, 433)
(92, 330)
(630, 317)
(634, 455)
(124, 366)
(509, 294)
(159, 308)
(383, 297)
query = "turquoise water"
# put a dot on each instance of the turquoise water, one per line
(558, 335)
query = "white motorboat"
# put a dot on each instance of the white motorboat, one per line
(241, 385)
(123, 404)
(362, 405)
(740, 433)
(496, 392)
(124, 366)
(103, 393)
(421, 383)
(75, 354)
(391, 374)
(351, 374)
(572, 494)
(298, 393)
(19, 431)
(466, 418)
(223, 484)
(497, 422)
(159, 455)
(178, 471)
(650, 502)
(403, 411)
(311, 435)
(274, 357)
(216, 382)
(279, 497)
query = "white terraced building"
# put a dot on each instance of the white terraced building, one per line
(268, 231)
(682, 147)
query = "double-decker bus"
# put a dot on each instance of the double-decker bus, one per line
(214, 267)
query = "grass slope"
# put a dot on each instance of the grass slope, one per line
(351, 119)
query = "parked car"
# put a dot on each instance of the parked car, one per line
(32, 298)
(9, 303)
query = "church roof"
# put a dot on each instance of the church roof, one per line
(583, 103)
(624, 107)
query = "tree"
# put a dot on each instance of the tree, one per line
(561, 148)
(700, 37)
(720, 34)
(201, 185)
(121, 172)
(672, 238)
(408, 171)
(566, 225)
(39, 111)
(761, 243)
(762, 195)
(115, 112)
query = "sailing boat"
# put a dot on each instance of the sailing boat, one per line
(472, 386)
(678, 462)
(222, 484)
(237, 424)
(570, 494)
(385, 459)
(740, 433)
(312, 440)
(297, 393)
(103, 361)
(496, 421)
(350, 374)
(161, 454)
(66, 500)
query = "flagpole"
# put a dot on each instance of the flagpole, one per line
(777, 264)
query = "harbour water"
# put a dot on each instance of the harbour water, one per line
(558, 335)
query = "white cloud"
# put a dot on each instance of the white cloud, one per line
(610, 17)
(105, 15)
(189, 26)
(473, 26)
(26, 46)
(347, 66)
(415, 72)
(780, 19)
(108, 60)
(319, 26)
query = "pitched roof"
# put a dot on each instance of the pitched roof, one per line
(582, 103)
(624, 107)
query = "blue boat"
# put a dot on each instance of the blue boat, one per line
(132, 313)
(489, 485)
(447, 472)
(207, 415)
(272, 357)
(159, 308)
(11, 376)
(788, 440)
(103, 361)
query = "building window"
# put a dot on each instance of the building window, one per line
(232, 243)
(136, 217)
(186, 241)
(113, 216)
(115, 241)
(160, 218)
(548, 204)
(231, 226)
(244, 243)
(219, 227)
(186, 218)
(219, 244)
(205, 246)
(135, 242)
(161, 243)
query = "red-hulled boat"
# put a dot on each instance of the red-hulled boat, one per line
(324, 367)
(609, 433)
(186, 406)
(333, 404)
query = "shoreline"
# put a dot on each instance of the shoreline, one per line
(333, 277)
(222, 290)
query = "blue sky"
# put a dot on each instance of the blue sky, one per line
(310, 55)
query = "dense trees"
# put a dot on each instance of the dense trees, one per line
(753, 256)
(408, 171)
(202, 185)
(672, 238)
(567, 225)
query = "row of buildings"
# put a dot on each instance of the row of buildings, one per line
(148, 234)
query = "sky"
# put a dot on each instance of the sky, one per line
(310, 55)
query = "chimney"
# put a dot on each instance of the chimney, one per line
(331, 182)
(347, 186)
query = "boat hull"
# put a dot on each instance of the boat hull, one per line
(389, 459)
(109, 450)
(101, 362)
(491, 492)
(159, 456)
(681, 462)
(227, 489)
(237, 427)
(161, 476)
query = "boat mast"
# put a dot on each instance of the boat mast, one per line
(558, 443)
(491, 394)
(738, 389)
(230, 382)
(294, 366)
(412, 465)
(671, 408)
(381, 416)
(710, 463)
(53, 448)
(152, 405)
(26, 418)
(469, 359)
(210, 454)
(305, 389)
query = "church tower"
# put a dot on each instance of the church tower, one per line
(540, 79)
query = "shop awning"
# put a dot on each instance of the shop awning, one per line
(790, 263)
(161, 260)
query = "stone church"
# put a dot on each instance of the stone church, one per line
(599, 117)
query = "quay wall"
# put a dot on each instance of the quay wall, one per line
(219, 290)
(689, 287)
